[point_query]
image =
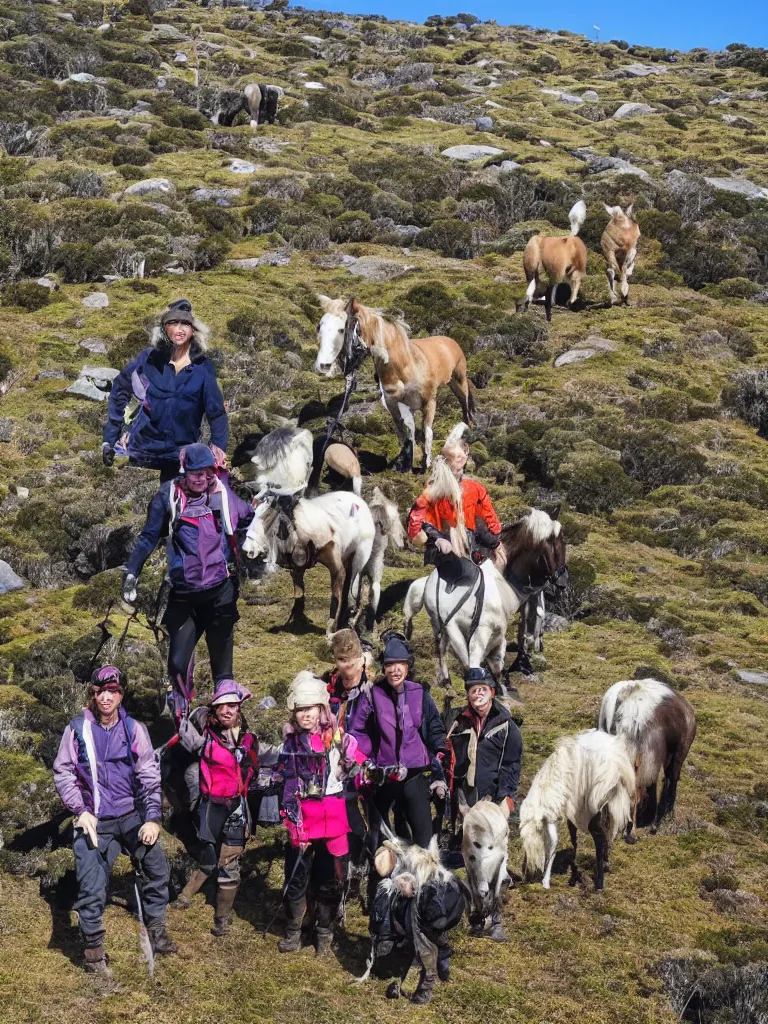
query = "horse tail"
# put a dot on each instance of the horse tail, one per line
(357, 485)
(532, 836)
(414, 602)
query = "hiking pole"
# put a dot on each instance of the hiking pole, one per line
(287, 885)
(145, 943)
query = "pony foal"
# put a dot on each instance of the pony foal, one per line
(589, 780)
(658, 727)
(563, 258)
(484, 846)
(619, 245)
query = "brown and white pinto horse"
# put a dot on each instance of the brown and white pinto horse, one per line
(409, 371)
(658, 727)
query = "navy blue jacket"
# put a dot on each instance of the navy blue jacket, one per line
(498, 756)
(172, 411)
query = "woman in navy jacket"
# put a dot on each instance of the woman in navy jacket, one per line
(167, 390)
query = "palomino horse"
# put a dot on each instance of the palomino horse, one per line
(409, 371)
(472, 618)
(658, 727)
(619, 245)
(335, 530)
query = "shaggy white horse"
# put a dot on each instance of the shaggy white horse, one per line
(336, 529)
(500, 601)
(484, 845)
(658, 727)
(283, 460)
(589, 780)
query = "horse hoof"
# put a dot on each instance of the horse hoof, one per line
(654, 829)
(630, 840)
(393, 990)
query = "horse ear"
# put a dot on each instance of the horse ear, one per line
(555, 513)
(613, 211)
(434, 849)
(629, 209)
(354, 305)
(326, 303)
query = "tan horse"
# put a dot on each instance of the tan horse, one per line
(409, 371)
(619, 245)
(563, 258)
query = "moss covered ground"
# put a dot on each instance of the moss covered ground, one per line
(656, 447)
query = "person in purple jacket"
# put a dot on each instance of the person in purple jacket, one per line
(106, 774)
(201, 514)
(158, 401)
(399, 729)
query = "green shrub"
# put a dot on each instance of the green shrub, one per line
(595, 483)
(27, 294)
(352, 226)
(138, 156)
(654, 457)
(452, 238)
(747, 396)
(677, 121)
(518, 336)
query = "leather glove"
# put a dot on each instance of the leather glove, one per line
(373, 773)
(107, 454)
(439, 789)
(130, 591)
(88, 823)
(443, 546)
(149, 832)
(189, 737)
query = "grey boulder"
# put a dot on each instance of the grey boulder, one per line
(470, 152)
(8, 579)
(740, 185)
(632, 110)
(147, 185)
(96, 300)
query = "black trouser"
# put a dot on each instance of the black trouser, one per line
(221, 833)
(188, 616)
(317, 869)
(94, 866)
(410, 800)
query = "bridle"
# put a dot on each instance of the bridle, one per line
(528, 589)
(353, 353)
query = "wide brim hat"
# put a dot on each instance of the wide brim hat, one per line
(306, 691)
(229, 692)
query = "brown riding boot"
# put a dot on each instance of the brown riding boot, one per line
(291, 941)
(225, 901)
(96, 961)
(196, 881)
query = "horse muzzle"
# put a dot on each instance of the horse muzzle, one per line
(328, 369)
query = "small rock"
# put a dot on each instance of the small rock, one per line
(736, 121)
(96, 300)
(470, 152)
(543, 142)
(755, 678)
(575, 355)
(85, 388)
(181, 58)
(8, 579)
(554, 623)
(22, 492)
(276, 258)
(739, 185)
(161, 82)
(590, 96)
(632, 110)
(242, 167)
(313, 41)
(761, 297)
(100, 374)
(48, 282)
(493, 105)
(164, 34)
(373, 268)
(484, 124)
(6, 430)
(314, 86)
(147, 185)
(82, 76)
(94, 345)
(637, 71)
(206, 195)
(508, 165)
(51, 375)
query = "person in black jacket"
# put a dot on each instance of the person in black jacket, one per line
(487, 745)
(157, 403)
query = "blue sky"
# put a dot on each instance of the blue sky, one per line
(678, 25)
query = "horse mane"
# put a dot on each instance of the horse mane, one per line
(423, 865)
(381, 324)
(529, 532)
(487, 820)
(628, 706)
(386, 518)
(290, 449)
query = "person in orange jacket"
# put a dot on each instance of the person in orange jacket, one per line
(451, 501)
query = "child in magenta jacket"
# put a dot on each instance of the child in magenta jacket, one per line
(316, 760)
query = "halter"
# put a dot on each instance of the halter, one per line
(353, 352)
(527, 590)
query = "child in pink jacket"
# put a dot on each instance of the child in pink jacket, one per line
(317, 758)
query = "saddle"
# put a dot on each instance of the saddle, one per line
(456, 572)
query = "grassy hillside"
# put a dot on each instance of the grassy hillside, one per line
(656, 446)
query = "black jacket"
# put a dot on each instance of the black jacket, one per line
(499, 753)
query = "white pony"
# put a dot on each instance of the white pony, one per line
(484, 845)
(336, 529)
(473, 641)
(589, 780)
